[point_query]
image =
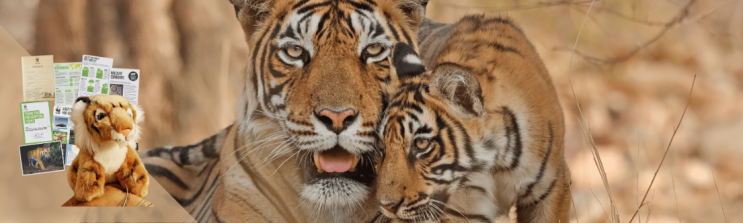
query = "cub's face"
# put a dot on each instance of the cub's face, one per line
(319, 68)
(105, 118)
(426, 133)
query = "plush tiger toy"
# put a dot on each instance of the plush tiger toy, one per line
(106, 130)
(303, 146)
(482, 132)
(35, 156)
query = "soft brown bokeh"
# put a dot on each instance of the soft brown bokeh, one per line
(192, 55)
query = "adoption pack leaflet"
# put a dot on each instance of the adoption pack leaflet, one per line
(38, 78)
(125, 82)
(37, 122)
(95, 75)
(66, 84)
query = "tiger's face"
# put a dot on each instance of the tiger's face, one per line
(45, 153)
(103, 119)
(319, 68)
(429, 131)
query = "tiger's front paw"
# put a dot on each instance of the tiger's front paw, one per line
(135, 178)
(89, 185)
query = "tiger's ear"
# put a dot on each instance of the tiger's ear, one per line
(139, 113)
(251, 12)
(458, 85)
(406, 61)
(415, 10)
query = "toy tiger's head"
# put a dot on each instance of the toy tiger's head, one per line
(103, 119)
(319, 68)
(429, 132)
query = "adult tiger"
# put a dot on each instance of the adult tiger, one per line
(303, 145)
(482, 132)
(35, 156)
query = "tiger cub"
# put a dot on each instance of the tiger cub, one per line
(480, 133)
(35, 156)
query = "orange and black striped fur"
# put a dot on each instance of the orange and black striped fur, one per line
(316, 83)
(481, 132)
(35, 156)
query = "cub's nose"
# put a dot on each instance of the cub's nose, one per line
(393, 207)
(337, 121)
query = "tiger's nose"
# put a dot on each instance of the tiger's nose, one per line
(125, 131)
(337, 121)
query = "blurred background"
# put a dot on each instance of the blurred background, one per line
(631, 72)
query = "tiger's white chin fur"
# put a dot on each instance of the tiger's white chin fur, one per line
(336, 197)
(335, 192)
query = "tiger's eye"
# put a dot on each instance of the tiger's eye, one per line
(294, 51)
(422, 143)
(374, 49)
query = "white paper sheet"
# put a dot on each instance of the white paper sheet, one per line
(38, 78)
(95, 75)
(125, 82)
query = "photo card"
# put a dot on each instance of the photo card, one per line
(42, 158)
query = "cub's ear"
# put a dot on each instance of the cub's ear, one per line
(86, 100)
(406, 61)
(458, 85)
(77, 111)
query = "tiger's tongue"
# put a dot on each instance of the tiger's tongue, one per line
(335, 164)
(335, 160)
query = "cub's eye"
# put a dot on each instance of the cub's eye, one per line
(374, 49)
(294, 51)
(422, 143)
(100, 116)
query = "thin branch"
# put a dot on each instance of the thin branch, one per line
(649, 206)
(673, 183)
(667, 148)
(718, 195)
(575, 210)
(630, 18)
(600, 204)
(676, 20)
(448, 3)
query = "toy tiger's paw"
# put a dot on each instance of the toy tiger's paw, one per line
(134, 176)
(89, 183)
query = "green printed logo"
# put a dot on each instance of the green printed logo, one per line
(91, 88)
(104, 90)
(99, 74)
(85, 71)
(30, 117)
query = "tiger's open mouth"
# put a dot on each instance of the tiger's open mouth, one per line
(339, 163)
